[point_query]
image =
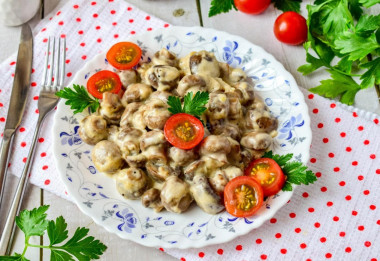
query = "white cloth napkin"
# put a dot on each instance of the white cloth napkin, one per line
(337, 218)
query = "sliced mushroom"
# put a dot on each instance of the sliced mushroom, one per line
(165, 57)
(162, 77)
(191, 83)
(152, 199)
(152, 138)
(127, 77)
(204, 195)
(181, 157)
(106, 156)
(218, 106)
(111, 108)
(93, 128)
(175, 195)
(256, 141)
(260, 120)
(136, 92)
(131, 183)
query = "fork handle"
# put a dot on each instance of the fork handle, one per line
(6, 144)
(9, 228)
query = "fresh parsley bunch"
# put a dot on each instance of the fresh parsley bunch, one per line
(296, 172)
(192, 104)
(345, 41)
(224, 6)
(78, 98)
(79, 246)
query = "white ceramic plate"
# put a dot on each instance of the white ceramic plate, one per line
(95, 194)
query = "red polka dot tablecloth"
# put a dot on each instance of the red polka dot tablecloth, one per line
(337, 218)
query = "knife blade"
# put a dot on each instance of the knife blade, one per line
(17, 103)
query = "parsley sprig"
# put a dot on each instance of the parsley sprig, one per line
(78, 98)
(192, 104)
(34, 223)
(224, 6)
(346, 43)
(295, 171)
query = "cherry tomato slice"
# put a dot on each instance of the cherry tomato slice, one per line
(268, 174)
(103, 81)
(252, 6)
(124, 55)
(243, 196)
(290, 28)
(183, 131)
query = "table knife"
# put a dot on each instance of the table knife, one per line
(21, 85)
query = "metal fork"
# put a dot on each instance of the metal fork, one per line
(46, 103)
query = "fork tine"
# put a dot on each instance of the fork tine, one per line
(43, 81)
(62, 65)
(56, 65)
(48, 83)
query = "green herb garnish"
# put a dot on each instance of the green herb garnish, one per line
(78, 98)
(295, 171)
(346, 42)
(192, 104)
(34, 223)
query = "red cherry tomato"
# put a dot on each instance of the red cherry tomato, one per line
(103, 81)
(124, 55)
(268, 174)
(290, 28)
(183, 131)
(243, 196)
(252, 6)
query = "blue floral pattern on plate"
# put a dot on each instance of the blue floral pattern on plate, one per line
(95, 193)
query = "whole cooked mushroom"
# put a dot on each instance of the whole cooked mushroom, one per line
(106, 156)
(256, 140)
(205, 196)
(191, 83)
(162, 77)
(127, 77)
(93, 128)
(131, 183)
(136, 92)
(111, 108)
(165, 57)
(152, 199)
(175, 195)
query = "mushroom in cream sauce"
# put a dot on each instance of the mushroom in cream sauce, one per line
(240, 128)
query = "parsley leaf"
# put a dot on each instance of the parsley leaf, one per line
(57, 231)
(372, 76)
(367, 23)
(78, 98)
(192, 104)
(295, 171)
(33, 223)
(221, 6)
(82, 247)
(340, 85)
(288, 5)
(356, 46)
(369, 3)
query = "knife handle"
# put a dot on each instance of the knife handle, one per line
(6, 144)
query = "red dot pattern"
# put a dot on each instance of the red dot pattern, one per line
(346, 153)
